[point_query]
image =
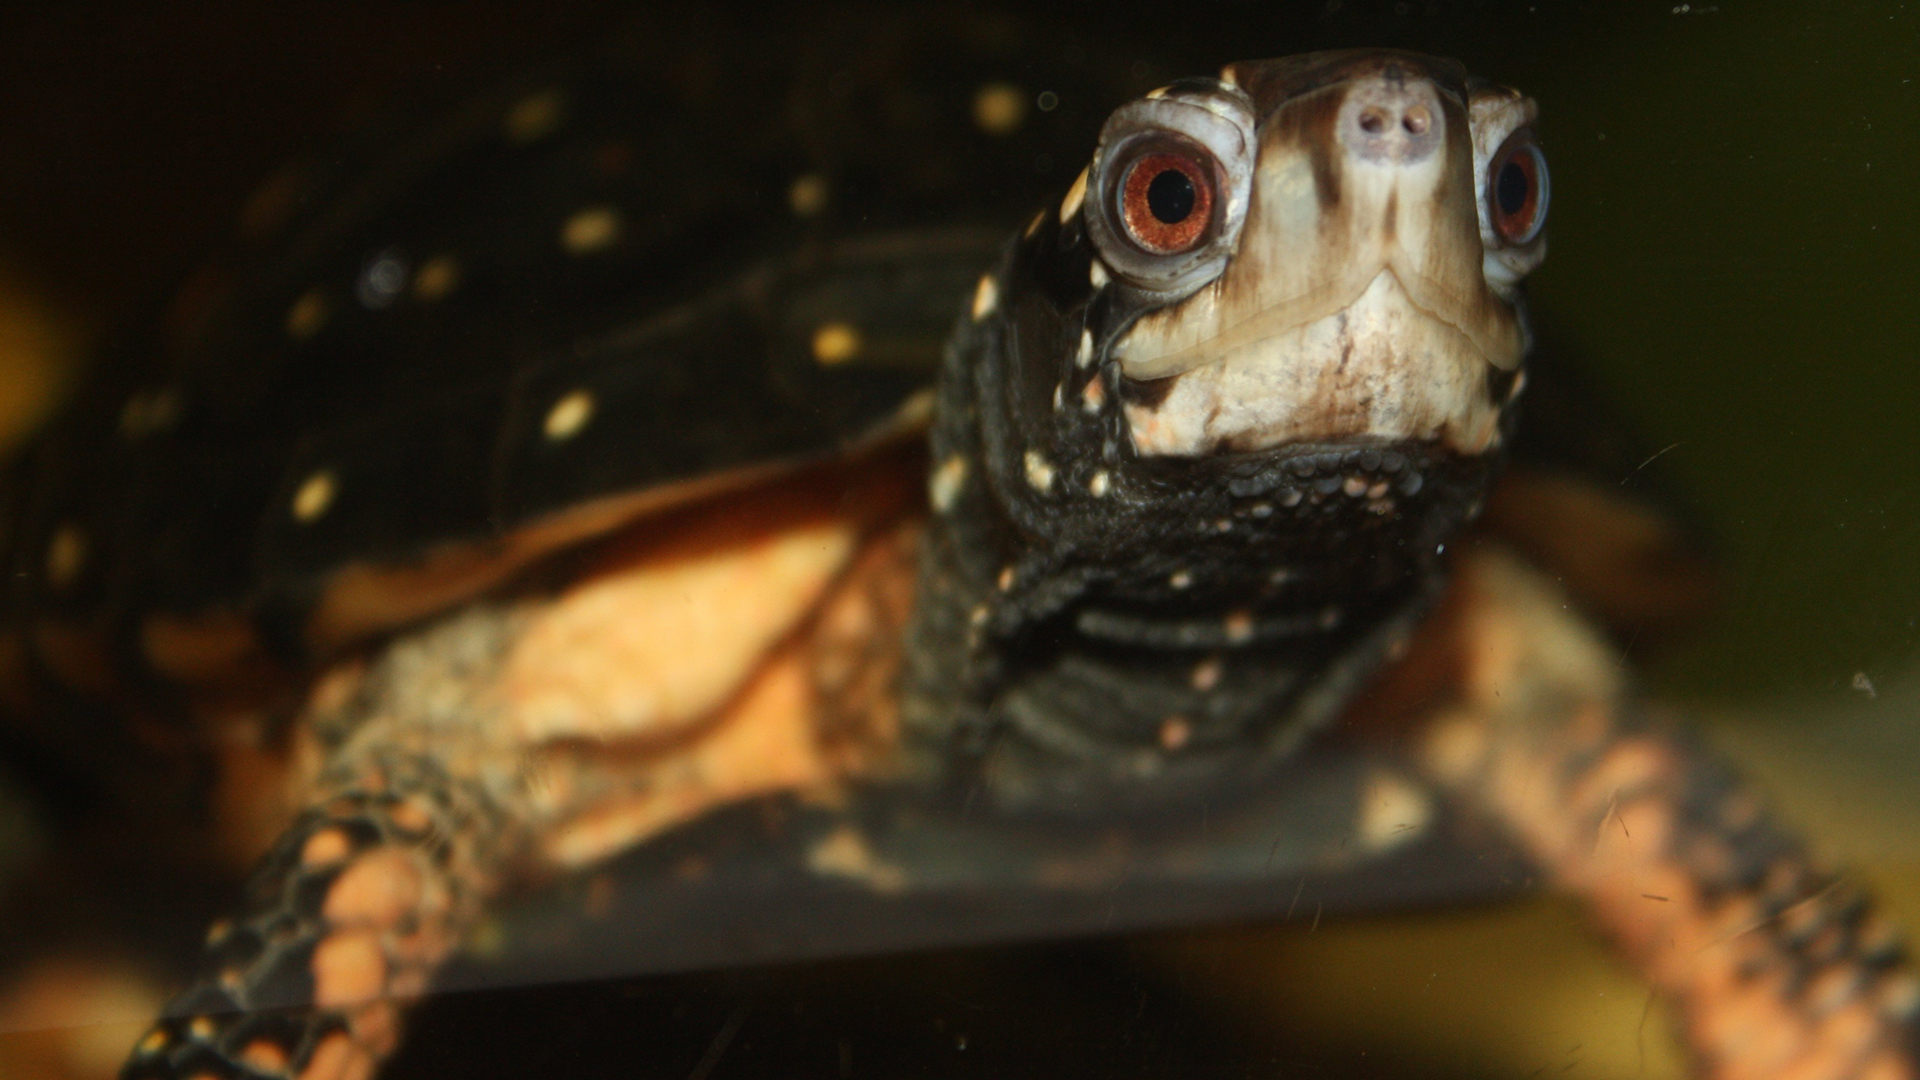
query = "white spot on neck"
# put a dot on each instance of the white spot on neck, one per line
(944, 486)
(1039, 471)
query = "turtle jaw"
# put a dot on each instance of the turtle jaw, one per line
(1357, 303)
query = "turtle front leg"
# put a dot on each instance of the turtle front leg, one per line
(1777, 967)
(539, 734)
(348, 916)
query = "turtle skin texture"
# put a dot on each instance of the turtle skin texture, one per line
(494, 556)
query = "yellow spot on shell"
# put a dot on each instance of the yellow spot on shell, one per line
(145, 414)
(535, 117)
(66, 555)
(155, 1041)
(594, 229)
(314, 497)
(307, 315)
(808, 195)
(943, 487)
(986, 297)
(1076, 195)
(1175, 732)
(436, 278)
(201, 1027)
(836, 343)
(1000, 108)
(1099, 484)
(569, 416)
(1239, 627)
(1039, 470)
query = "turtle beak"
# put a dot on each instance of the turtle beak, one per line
(1356, 305)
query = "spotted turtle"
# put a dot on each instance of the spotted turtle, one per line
(550, 500)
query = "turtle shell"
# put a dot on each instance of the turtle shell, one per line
(456, 347)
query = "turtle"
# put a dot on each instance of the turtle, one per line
(1116, 551)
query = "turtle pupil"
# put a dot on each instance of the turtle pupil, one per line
(1510, 190)
(1170, 197)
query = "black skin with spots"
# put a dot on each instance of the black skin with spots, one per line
(1060, 631)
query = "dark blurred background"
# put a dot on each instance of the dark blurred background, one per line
(1733, 236)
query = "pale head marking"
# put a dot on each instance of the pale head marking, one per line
(986, 297)
(1083, 355)
(1039, 471)
(837, 343)
(1094, 395)
(569, 416)
(436, 279)
(307, 315)
(535, 116)
(314, 496)
(1097, 275)
(592, 229)
(66, 555)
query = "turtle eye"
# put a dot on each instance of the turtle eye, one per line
(1517, 189)
(1166, 198)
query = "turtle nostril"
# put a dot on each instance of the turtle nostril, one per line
(1417, 120)
(1373, 121)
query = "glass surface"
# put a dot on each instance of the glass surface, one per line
(1732, 251)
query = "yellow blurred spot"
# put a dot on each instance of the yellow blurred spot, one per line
(307, 315)
(436, 278)
(591, 230)
(836, 343)
(568, 416)
(314, 497)
(1000, 108)
(535, 117)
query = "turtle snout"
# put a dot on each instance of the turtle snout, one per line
(1392, 118)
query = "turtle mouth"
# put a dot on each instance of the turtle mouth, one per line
(1383, 367)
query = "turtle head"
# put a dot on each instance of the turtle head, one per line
(1318, 249)
(1231, 396)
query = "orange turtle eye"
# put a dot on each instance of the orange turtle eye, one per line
(1517, 189)
(1166, 201)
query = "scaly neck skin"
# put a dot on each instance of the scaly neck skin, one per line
(1094, 623)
